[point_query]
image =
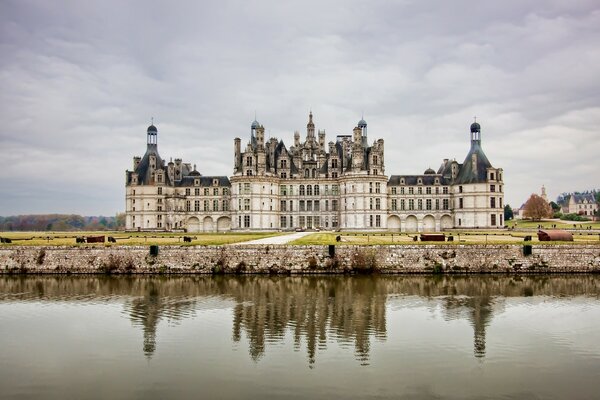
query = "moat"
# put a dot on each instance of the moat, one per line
(423, 337)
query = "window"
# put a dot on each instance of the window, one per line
(196, 205)
(378, 221)
(420, 204)
(283, 163)
(215, 205)
(411, 190)
(225, 205)
(206, 191)
(334, 205)
(215, 191)
(334, 163)
(428, 190)
(301, 205)
(306, 173)
(326, 205)
(188, 206)
(302, 221)
(291, 206)
(283, 190)
(308, 190)
(402, 204)
(491, 176)
(249, 172)
(248, 161)
(335, 189)
(445, 190)
(283, 221)
(460, 189)
(437, 190)
(446, 204)
(394, 190)
(370, 187)
(420, 190)
(460, 203)
(309, 204)
(197, 192)
(284, 175)
(378, 204)
(316, 190)
(206, 205)
(493, 219)
(492, 202)
(282, 205)
(411, 204)
(375, 172)
(317, 205)
(246, 221)
(301, 190)
(370, 220)
(500, 201)
(394, 204)
(246, 204)
(374, 159)
(159, 190)
(492, 188)
(428, 204)
(159, 208)
(437, 204)
(401, 190)
(246, 188)
(378, 187)
(188, 191)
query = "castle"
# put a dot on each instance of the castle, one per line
(313, 184)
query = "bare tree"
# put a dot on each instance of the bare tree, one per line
(536, 208)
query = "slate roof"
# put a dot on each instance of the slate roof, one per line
(468, 174)
(411, 180)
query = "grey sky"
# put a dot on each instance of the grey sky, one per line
(80, 80)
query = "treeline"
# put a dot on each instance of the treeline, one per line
(61, 222)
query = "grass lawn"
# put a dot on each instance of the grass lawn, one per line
(560, 224)
(131, 238)
(464, 237)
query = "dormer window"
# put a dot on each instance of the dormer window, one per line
(419, 181)
(402, 181)
(196, 182)
(215, 182)
(437, 181)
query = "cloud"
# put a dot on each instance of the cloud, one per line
(81, 80)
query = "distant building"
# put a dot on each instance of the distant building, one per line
(582, 204)
(313, 184)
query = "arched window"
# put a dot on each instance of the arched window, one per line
(302, 190)
(308, 190)
(316, 190)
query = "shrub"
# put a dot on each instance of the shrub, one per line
(364, 261)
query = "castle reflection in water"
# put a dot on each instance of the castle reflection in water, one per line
(311, 309)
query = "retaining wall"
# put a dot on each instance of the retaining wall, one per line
(302, 259)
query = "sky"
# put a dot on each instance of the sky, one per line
(81, 80)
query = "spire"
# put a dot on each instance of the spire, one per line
(475, 133)
(310, 127)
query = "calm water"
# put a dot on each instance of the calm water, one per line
(300, 337)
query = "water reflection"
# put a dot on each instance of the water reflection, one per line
(313, 311)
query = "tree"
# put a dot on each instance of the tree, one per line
(555, 207)
(508, 213)
(536, 208)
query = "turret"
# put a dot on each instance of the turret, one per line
(310, 127)
(152, 137)
(357, 135)
(322, 140)
(475, 133)
(237, 156)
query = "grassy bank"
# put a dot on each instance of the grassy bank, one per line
(131, 238)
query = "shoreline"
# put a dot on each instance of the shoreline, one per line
(309, 259)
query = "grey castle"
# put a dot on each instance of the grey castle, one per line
(339, 184)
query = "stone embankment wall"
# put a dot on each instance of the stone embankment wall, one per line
(303, 259)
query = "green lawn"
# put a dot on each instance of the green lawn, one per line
(130, 238)
(560, 224)
(463, 237)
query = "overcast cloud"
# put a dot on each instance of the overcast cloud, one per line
(80, 81)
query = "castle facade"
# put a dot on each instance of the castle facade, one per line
(312, 184)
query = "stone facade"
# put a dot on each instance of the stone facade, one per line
(313, 184)
(303, 259)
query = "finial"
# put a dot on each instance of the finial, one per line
(151, 120)
(475, 118)
(194, 167)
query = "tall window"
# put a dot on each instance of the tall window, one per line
(378, 204)
(316, 190)
(402, 204)
(377, 187)
(215, 205)
(411, 204)
(248, 161)
(282, 206)
(283, 221)
(188, 206)
(428, 204)
(493, 219)
(246, 204)
(196, 205)
(394, 190)
(206, 205)
(420, 204)
(246, 221)
(428, 190)
(378, 221)
(446, 204)
(160, 190)
(301, 190)
(308, 190)
(493, 202)
(225, 205)
(197, 192)
(394, 204)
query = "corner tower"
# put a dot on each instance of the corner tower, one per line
(478, 188)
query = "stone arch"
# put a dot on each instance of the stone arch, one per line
(208, 224)
(429, 223)
(223, 224)
(446, 222)
(193, 224)
(393, 223)
(412, 224)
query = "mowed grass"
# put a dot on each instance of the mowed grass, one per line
(548, 224)
(495, 237)
(132, 238)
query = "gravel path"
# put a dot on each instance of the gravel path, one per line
(283, 239)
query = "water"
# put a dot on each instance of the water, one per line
(415, 337)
